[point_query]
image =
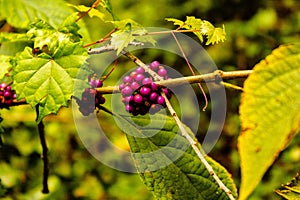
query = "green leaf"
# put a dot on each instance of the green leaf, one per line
(5, 66)
(2, 190)
(168, 177)
(46, 81)
(290, 191)
(269, 113)
(129, 31)
(92, 13)
(20, 13)
(202, 28)
(12, 43)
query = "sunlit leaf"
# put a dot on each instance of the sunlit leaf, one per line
(129, 31)
(92, 13)
(290, 191)
(12, 43)
(269, 113)
(201, 28)
(168, 178)
(5, 66)
(20, 13)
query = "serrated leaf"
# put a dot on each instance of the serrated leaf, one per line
(202, 28)
(269, 113)
(92, 13)
(121, 39)
(290, 191)
(46, 81)
(174, 171)
(20, 13)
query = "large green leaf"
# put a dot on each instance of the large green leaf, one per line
(167, 164)
(46, 81)
(269, 113)
(20, 13)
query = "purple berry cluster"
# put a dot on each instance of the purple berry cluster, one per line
(7, 95)
(140, 94)
(91, 99)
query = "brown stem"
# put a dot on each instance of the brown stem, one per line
(41, 130)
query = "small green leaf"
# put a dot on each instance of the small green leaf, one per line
(92, 13)
(202, 28)
(129, 31)
(290, 191)
(269, 113)
(174, 171)
(121, 39)
(20, 13)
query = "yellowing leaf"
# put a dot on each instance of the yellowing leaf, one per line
(92, 13)
(202, 28)
(269, 113)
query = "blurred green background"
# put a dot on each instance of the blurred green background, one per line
(253, 29)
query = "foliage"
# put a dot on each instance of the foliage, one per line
(42, 36)
(201, 28)
(185, 177)
(266, 94)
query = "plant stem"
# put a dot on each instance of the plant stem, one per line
(41, 130)
(215, 76)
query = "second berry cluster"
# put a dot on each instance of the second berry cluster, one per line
(140, 94)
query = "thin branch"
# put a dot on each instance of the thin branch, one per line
(216, 76)
(106, 37)
(191, 69)
(41, 130)
(109, 47)
(95, 4)
(184, 133)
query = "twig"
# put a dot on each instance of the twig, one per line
(41, 130)
(106, 37)
(191, 69)
(184, 133)
(95, 4)
(216, 76)
(109, 47)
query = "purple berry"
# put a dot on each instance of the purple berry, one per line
(140, 70)
(160, 100)
(153, 96)
(7, 94)
(128, 99)
(154, 65)
(121, 86)
(138, 98)
(139, 77)
(8, 88)
(129, 108)
(99, 83)
(134, 85)
(145, 91)
(162, 72)
(3, 85)
(153, 87)
(146, 81)
(127, 79)
(127, 90)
